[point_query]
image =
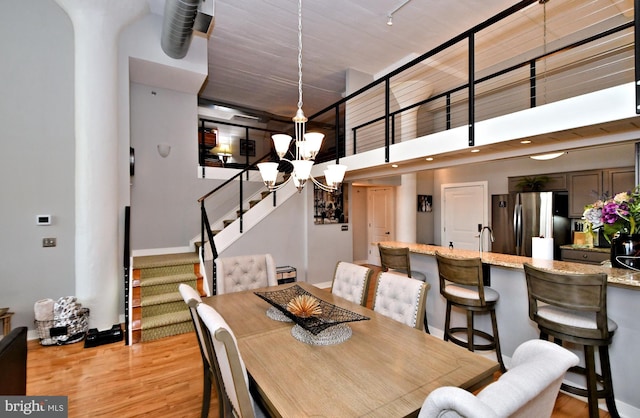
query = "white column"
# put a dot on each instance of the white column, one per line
(97, 24)
(406, 209)
(408, 93)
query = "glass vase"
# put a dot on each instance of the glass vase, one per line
(625, 251)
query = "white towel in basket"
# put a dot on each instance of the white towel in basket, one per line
(43, 310)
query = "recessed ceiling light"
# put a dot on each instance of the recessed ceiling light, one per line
(525, 141)
(475, 150)
(429, 158)
(394, 165)
(549, 156)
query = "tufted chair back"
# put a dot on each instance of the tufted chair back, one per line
(351, 281)
(245, 272)
(401, 298)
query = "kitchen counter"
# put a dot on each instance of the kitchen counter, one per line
(616, 276)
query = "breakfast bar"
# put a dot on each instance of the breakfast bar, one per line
(507, 277)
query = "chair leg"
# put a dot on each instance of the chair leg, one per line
(206, 394)
(605, 366)
(592, 381)
(426, 324)
(470, 328)
(447, 321)
(496, 340)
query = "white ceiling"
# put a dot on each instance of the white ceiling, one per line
(253, 46)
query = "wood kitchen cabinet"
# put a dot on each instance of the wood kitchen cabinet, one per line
(585, 187)
(586, 256)
(618, 180)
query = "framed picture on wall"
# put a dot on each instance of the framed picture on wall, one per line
(330, 207)
(424, 202)
(248, 147)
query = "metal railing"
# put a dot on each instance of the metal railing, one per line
(576, 48)
(205, 224)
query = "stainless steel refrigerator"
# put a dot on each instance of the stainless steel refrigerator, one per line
(518, 217)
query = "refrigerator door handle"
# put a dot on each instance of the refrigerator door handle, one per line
(517, 225)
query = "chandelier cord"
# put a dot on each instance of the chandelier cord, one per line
(299, 54)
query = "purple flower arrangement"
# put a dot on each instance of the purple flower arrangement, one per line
(619, 214)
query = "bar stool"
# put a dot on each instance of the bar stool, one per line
(572, 307)
(397, 260)
(461, 284)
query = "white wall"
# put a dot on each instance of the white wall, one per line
(164, 191)
(281, 234)
(37, 161)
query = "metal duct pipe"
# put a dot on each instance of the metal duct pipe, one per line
(177, 27)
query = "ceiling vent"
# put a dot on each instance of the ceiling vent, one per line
(177, 28)
(203, 24)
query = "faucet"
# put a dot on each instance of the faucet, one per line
(482, 236)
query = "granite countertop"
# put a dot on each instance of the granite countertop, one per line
(616, 276)
(586, 248)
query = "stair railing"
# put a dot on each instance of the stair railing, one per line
(205, 225)
(126, 261)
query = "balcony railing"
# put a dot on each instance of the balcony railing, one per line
(529, 55)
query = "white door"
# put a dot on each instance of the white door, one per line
(464, 207)
(380, 220)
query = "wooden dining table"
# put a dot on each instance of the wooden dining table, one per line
(385, 369)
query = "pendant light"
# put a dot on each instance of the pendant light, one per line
(307, 145)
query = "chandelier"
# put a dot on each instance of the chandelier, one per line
(307, 145)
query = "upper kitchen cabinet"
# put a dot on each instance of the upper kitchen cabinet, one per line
(585, 187)
(619, 180)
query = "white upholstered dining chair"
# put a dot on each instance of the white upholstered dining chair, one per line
(527, 390)
(211, 371)
(401, 298)
(351, 281)
(245, 272)
(235, 382)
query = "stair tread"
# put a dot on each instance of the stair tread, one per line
(149, 261)
(159, 299)
(165, 319)
(175, 278)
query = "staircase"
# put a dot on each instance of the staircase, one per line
(230, 220)
(157, 308)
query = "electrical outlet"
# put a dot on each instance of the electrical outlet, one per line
(48, 242)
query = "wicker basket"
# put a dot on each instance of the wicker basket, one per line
(49, 334)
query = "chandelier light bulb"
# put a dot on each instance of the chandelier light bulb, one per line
(281, 142)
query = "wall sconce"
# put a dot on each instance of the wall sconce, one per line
(164, 150)
(224, 152)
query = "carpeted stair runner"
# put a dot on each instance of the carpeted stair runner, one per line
(157, 302)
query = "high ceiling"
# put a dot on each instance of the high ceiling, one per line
(253, 46)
